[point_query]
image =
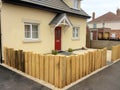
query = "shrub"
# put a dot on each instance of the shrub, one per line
(70, 50)
(54, 52)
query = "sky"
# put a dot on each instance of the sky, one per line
(100, 7)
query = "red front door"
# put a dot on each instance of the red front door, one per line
(58, 38)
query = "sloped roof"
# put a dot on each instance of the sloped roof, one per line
(53, 4)
(106, 17)
(58, 17)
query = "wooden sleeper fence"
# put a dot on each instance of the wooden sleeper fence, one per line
(57, 70)
(115, 52)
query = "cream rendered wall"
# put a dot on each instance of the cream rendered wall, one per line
(12, 22)
(68, 41)
(112, 25)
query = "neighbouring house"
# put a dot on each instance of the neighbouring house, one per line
(105, 27)
(43, 25)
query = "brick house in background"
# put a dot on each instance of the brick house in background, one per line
(105, 27)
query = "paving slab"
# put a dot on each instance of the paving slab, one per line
(107, 79)
(10, 80)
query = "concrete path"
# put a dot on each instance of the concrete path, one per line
(107, 79)
(10, 80)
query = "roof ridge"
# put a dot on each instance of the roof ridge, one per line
(109, 16)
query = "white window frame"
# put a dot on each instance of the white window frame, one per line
(75, 32)
(31, 38)
(76, 4)
(94, 25)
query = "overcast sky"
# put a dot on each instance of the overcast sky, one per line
(100, 7)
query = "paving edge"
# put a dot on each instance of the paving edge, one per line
(48, 85)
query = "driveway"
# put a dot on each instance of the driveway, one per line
(107, 79)
(10, 80)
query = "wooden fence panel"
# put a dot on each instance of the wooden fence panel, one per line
(57, 70)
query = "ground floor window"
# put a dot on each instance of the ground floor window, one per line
(31, 31)
(75, 32)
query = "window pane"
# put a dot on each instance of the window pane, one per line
(34, 31)
(27, 31)
(73, 32)
(77, 32)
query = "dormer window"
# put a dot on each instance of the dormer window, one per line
(76, 4)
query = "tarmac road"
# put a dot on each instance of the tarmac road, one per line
(10, 80)
(107, 79)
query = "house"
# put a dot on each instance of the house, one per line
(106, 26)
(43, 25)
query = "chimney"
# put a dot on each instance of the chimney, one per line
(118, 12)
(93, 15)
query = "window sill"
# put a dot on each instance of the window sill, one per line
(75, 39)
(32, 41)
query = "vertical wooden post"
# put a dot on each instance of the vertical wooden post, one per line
(90, 62)
(42, 67)
(68, 70)
(33, 65)
(77, 67)
(26, 63)
(105, 56)
(81, 65)
(51, 69)
(13, 54)
(5, 55)
(62, 71)
(37, 66)
(30, 63)
(57, 71)
(46, 68)
(87, 63)
(73, 64)
(84, 65)
(9, 59)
